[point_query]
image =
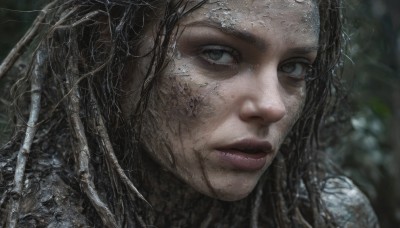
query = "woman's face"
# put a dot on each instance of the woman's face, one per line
(233, 90)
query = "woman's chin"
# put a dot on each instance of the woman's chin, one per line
(230, 192)
(230, 196)
(233, 197)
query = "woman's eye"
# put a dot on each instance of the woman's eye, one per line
(219, 55)
(296, 70)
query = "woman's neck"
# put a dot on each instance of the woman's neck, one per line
(176, 204)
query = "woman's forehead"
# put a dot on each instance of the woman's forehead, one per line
(290, 17)
(304, 11)
(264, 4)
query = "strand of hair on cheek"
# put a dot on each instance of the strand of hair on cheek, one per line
(17, 51)
(82, 148)
(38, 75)
(109, 152)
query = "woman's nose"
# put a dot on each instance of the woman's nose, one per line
(265, 100)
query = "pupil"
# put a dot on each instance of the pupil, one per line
(289, 68)
(215, 54)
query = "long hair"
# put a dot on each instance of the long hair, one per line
(77, 55)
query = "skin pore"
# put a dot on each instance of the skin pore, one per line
(235, 86)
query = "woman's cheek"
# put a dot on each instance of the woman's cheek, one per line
(177, 108)
(185, 98)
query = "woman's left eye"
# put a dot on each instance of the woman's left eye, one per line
(219, 55)
(296, 70)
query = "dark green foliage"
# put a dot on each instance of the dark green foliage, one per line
(15, 18)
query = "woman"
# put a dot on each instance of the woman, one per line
(177, 114)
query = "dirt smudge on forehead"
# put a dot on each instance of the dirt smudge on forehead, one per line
(221, 12)
(235, 13)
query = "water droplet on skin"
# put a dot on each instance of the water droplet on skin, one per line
(299, 1)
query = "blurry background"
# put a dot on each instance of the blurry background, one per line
(369, 149)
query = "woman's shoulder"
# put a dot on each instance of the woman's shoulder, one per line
(347, 204)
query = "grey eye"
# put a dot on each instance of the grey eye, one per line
(215, 54)
(297, 70)
(218, 55)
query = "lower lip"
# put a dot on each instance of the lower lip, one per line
(242, 161)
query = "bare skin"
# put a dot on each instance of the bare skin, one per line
(234, 89)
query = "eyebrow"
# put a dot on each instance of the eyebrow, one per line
(248, 37)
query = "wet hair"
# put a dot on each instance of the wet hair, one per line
(77, 54)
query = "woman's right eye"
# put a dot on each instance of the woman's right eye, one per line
(219, 55)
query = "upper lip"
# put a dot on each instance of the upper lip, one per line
(249, 146)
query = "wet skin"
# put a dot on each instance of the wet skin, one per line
(232, 92)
